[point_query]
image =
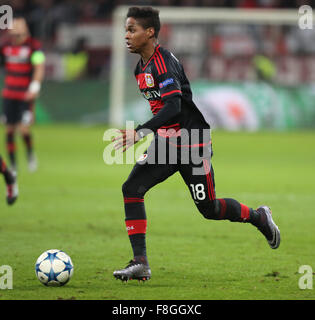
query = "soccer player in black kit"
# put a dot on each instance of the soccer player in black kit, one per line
(10, 181)
(181, 143)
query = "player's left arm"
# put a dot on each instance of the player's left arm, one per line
(168, 79)
(38, 62)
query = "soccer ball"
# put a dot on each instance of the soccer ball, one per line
(54, 268)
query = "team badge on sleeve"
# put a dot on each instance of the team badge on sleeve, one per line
(149, 80)
(166, 83)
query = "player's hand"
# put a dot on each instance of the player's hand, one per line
(29, 96)
(126, 139)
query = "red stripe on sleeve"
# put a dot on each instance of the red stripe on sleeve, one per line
(163, 62)
(171, 92)
(157, 60)
(136, 226)
(157, 66)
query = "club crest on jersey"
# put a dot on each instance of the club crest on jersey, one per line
(142, 157)
(149, 80)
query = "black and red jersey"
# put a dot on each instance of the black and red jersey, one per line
(18, 67)
(161, 78)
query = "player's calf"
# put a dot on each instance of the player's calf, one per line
(12, 190)
(232, 210)
(227, 209)
(11, 182)
(209, 209)
(11, 148)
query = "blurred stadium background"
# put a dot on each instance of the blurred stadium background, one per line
(253, 77)
(250, 76)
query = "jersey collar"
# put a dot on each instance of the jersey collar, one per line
(144, 66)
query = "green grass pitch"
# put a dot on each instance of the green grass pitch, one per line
(74, 203)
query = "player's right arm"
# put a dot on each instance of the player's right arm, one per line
(170, 110)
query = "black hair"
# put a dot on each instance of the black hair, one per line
(147, 18)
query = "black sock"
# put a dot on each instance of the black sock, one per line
(136, 224)
(235, 211)
(6, 173)
(28, 141)
(255, 218)
(142, 259)
(11, 148)
(138, 244)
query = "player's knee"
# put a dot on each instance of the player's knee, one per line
(126, 188)
(10, 130)
(209, 210)
(129, 188)
(24, 129)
